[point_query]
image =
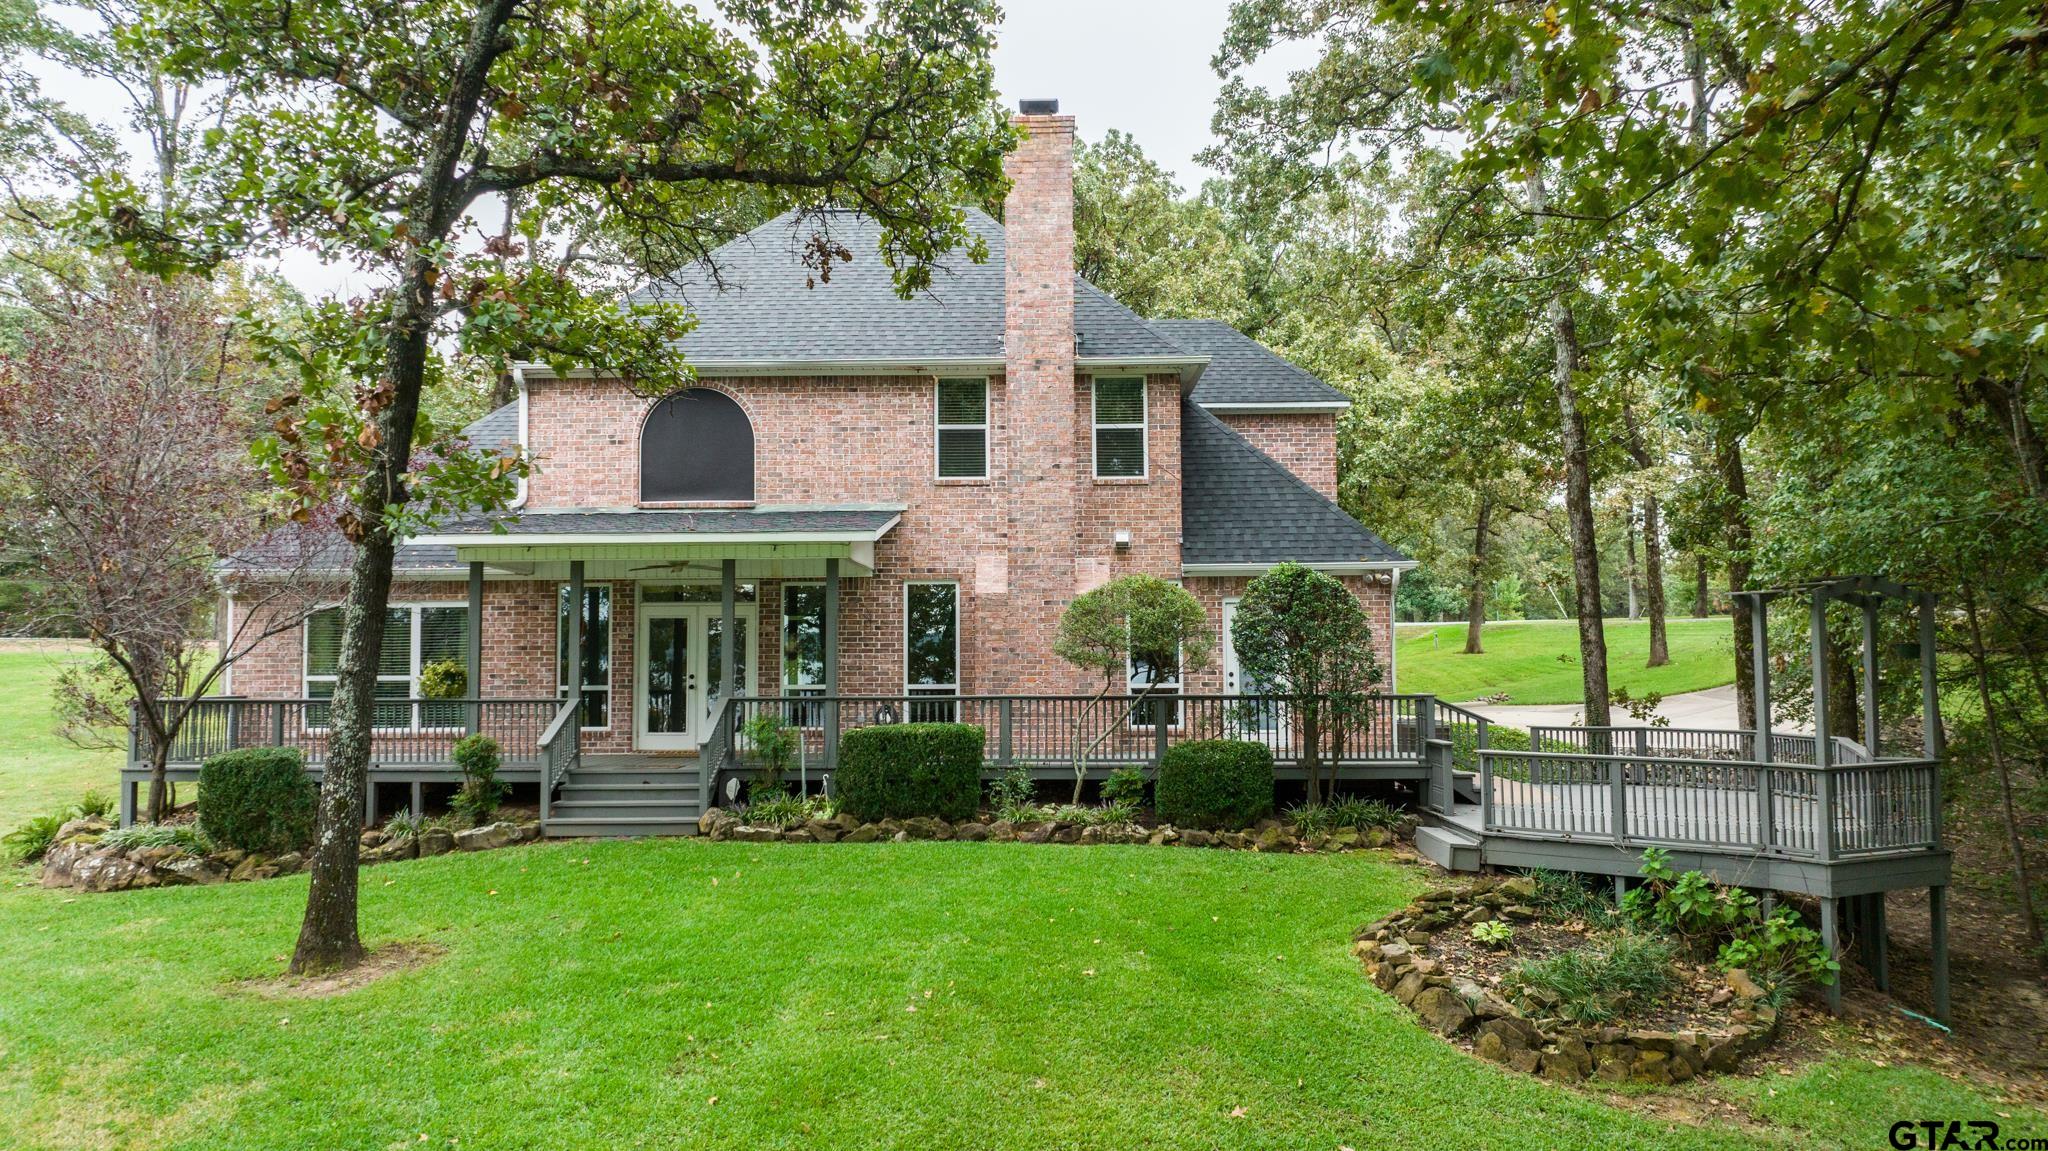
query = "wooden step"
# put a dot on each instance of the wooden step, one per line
(621, 809)
(618, 828)
(583, 776)
(577, 790)
(1448, 847)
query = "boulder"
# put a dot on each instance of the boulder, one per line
(192, 869)
(1004, 832)
(710, 822)
(1612, 1062)
(489, 837)
(1442, 1011)
(60, 863)
(925, 827)
(1066, 833)
(109, 870)
(1162, 836)
(290, 863)
(526, 831)
(371, 838)
(1512, 1032)
(1396, 953)
(1520, 889)
(823, 830)
(845, 822)
(971, 832)
(1409, 986)
(1652, 1067)
(747, 833)
(392, 849)
(798, 835)
(1196, 837)
(229, 856)
(1744, 987)
(1556, 1066)
(436, 841)
(91, 826)
(863, 833)
(1344, 838)
(253, 866)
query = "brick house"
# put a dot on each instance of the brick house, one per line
(881, 497)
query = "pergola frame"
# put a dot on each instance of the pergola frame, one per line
(1868, 594)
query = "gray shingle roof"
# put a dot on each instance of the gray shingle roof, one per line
(495, 432)
(677, 521)
(762, 311)
(1242, 370)
(1239, 506)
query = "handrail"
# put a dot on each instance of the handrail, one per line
(410, 731)
(561, 747)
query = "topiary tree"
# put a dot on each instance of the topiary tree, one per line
(1301, 634)
(1133, 621)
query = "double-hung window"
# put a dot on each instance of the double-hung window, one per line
(803, 648)
(595, 660)
(414, 636)
(963, 429)
(1161, 687)
(931, 649)
(1119, 427)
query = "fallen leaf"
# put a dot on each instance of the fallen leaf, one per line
(1237, 1112)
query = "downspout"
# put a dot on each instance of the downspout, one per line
(519, 381)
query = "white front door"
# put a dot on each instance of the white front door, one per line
(679, 667)
(1264, 721)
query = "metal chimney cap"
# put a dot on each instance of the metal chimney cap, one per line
(1038, 107)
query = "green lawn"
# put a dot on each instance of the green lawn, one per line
(39, 771)
(1538, 661)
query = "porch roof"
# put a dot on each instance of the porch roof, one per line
(787, 541)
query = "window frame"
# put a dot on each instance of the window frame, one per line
(940, 428)
(1144, 425)
(931, 712)
(611, 622)
(415, 611)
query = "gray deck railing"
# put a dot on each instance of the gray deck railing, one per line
(1789, 809)
(408, 732)
(561, 749)
(1119, 731)
(1687, 743)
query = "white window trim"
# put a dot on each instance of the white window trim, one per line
(791, 690)
(931, 689)
(1096, 426)
(938, 428)
(562, 689)
(411, 680)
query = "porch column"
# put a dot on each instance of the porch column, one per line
(475, 654)
(1930, 690)
(1823, 749)
(1870, 732)
(1760, 662)
(831, 664)
(574, 674)
(728, 590)
(1831, 940)
(1824, 780)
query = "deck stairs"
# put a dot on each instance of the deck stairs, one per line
(618, 797)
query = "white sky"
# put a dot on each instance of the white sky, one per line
(1137, 65)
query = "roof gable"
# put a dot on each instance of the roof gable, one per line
(1240, 506)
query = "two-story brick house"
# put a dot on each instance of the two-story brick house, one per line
(895, 497)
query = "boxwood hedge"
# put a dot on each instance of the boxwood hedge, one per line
(1214, 784)
(899, 770)
(257, 799)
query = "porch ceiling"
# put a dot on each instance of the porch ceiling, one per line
(671, 543)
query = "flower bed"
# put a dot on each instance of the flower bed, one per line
(1461, 988)
(1266, 835)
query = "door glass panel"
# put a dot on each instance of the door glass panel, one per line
(714, 660)
(668, 675)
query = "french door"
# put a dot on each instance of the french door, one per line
(680, 666)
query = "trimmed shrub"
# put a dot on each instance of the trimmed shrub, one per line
(481, 792)
(1214, 784)
(257, 799)
(900, 770)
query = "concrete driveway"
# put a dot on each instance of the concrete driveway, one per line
(1712, 708)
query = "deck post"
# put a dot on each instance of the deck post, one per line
(572, 676)
(1870, 726)
(1881, 963)
(1160, 716)
(1617, 815)
(831, 756)
(419, 805)
(1930, 691)
(1766, 813)
(1823, 743)
(1831, 942)
(728, 622)
(1004, 748)
(1937, 930)
(127, 801)
(475, 648)
(1760, 663)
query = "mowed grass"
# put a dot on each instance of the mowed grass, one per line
(1538, 661)
(40, 771)
(690, 994)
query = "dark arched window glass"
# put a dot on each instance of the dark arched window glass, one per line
(696, 445)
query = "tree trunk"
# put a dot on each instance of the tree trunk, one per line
(1653, 545)
(2009, 404)
(1635, 611)
(2015, 842)
(1702, 595)
(1312, 751)
(1735, 531)
(1475, 594)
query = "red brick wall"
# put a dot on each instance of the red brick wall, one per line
(1305, 444)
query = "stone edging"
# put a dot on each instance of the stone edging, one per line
(1267, 835)
(1459, 1008)
(77, 861)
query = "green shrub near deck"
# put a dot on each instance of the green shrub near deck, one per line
(1215, 784)
(257, 799)
(900, 770)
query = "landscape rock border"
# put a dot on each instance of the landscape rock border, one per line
(78, 861)
(1270, 835)
(1460, 1009)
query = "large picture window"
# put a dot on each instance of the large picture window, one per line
(931, 648)
(596, 661)
(1120, 427)
(415, 635)
(963, 429)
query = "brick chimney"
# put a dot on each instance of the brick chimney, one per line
(1045, 469)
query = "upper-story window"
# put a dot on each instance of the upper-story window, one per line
(1119, 427)
(697, 446)
(963, 429)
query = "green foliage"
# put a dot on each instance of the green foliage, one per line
(773, 738)
(1134, 619)
(1301, 633)
(1780, 952)
(257, 799)
(32, 840)
(94, 804)
(1113, 813)
(404, 825)
(1602, 981)
(1493, 933)
(775, 807)
(900, 770)
(185, 837)
(444, 679)
(1214, 783)
(1568, 895)
(482, 791)
(1356, 811)
(1125, 785)
(1011, 795)
(1689, 906)
(1136, 238)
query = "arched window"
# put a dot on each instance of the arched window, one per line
(696, 445)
